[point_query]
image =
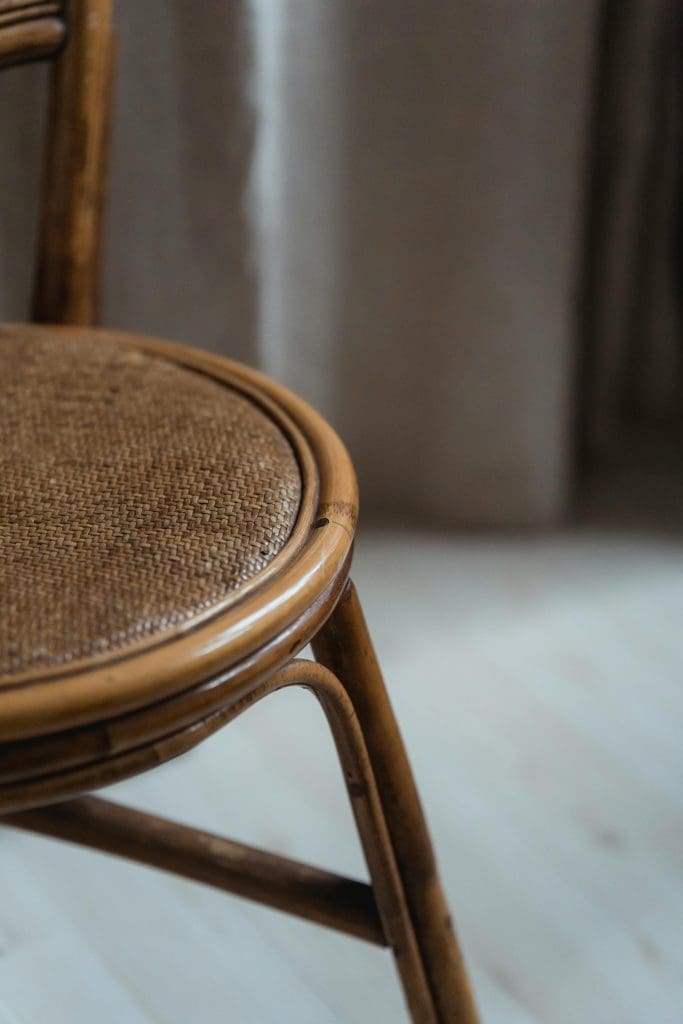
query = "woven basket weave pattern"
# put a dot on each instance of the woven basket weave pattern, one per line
(136, 496)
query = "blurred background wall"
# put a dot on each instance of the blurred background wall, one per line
(454, 227)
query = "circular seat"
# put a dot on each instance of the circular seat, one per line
(172, 527)
(137, 495)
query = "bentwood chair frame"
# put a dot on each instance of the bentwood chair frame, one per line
(59, 742)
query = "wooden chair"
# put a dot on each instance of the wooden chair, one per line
(175, 528)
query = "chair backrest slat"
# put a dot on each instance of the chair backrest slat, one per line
(67, 278)
(76, 36)
(29, 30)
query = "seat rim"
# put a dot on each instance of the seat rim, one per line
(55, 767)
(315, 555)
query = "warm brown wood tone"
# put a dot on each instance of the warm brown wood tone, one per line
(344, 646)
(108, 751)
(29, 30)
(363, 783)
(78, 717)
(66, 289)
(278, 882)
(269, 604)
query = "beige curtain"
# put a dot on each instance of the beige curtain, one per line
(383, 205)
(420, 239)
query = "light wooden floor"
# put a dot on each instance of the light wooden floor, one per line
(549, 750)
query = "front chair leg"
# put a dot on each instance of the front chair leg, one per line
(344, 647)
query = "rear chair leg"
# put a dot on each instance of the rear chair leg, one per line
(344, 647)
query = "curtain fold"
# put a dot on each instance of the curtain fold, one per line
(426, 218)
(632, 272)
(177, 240)
(419, 240)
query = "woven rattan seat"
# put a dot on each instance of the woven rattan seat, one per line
(137, 496)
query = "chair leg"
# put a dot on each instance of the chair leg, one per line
(344, 647)
(348, 684)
